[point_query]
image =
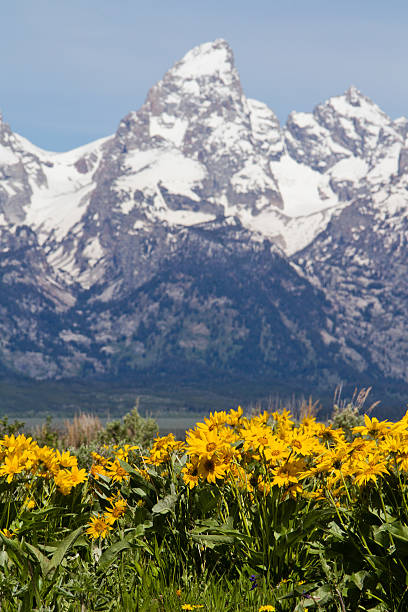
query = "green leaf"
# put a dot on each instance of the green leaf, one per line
(213, 540)
(63, 548)
(43, 561)
(13, 545)
(335, 530)
(321, 595)
(219, 534)
(103, 487)
(397, 530)
(109, 555)
(139, 492)
(358, 578)
(206, 500)
(165, 505)
(43, 511)
(209, 523)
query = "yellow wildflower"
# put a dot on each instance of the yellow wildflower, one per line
(63, 481)
(276, 451)
(190, 474)
(302, 444)
(77, 476)
(16, 444)
(293, 491)
(369, 470)
(98, 528)
(162, 448)
(29, 504)
(66, 459)
(211, 468)
(330, 436)
(123, 453)
(372, 427)
(204, 443)
(117, 472)
(214, 421)
(47, 457)
(234, 416)
(99, 458)
(98, 470)
(118, 508)
(287, 474)
(11, 467)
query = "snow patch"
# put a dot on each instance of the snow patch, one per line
(168, 127)
(350, 169)
(146, 170)
(93, 251)
(185, 217)
(59, 205)
(365, 110)
(252, 178)
(301, 187)
(304, 120)
(68, 336)
(204, 60)
(7, 156)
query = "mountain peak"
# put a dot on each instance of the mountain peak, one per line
(353, 104)
(205, 60)
(354, 96)
(200, 94)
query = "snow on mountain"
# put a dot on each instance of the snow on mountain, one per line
(60, 201)
(197, 150)
(116, 253)
(198, 116)
(266, 132)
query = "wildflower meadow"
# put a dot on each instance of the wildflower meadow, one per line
(256, 513)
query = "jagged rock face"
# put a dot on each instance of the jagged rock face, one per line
(349, 140)
(219, 304)
(195, 151)
(31, 300)
(199, 110)
(204, 237)
(16, 165)
(361, 262)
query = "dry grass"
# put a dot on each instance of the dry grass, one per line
(82, 429)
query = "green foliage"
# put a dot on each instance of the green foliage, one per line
(225, 545)
(346, 417)
(348, 413)
(7, 429)
(132, 429)
(84, 453)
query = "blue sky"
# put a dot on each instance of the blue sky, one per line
(71, 69)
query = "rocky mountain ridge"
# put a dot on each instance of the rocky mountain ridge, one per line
(204, 237)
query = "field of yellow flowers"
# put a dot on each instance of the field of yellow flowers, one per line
(260, 513)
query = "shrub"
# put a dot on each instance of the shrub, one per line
(133, 429)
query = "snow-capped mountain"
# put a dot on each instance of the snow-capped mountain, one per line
(136, 249)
